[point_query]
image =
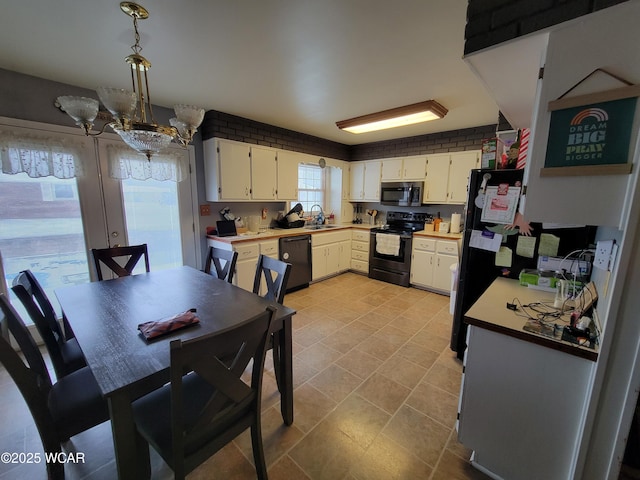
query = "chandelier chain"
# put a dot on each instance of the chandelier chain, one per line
(136, 47)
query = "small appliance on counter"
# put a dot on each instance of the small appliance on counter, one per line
(292, 218)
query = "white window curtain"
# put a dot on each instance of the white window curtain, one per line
(127, 163)
(40, 155)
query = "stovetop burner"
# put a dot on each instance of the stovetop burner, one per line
(404, 222)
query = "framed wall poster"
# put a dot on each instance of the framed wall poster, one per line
(590, 134)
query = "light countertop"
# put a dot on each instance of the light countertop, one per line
(491, 312)
(274, 233)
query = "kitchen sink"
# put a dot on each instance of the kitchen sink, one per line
(320, 227)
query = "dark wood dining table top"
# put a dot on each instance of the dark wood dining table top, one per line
(105, 317)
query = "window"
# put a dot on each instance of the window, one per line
(310, 186)
(42, 235)
(59, 199)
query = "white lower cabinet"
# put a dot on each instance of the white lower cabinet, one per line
(248, 253)
(330, 253)
(360, 251)
(519, 398)
(431, 261)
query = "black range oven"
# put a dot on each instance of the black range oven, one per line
(390, 251)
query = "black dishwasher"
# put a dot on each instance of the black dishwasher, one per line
(297, 251)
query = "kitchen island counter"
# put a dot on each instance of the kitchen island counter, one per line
(491, 312)
(523, 396)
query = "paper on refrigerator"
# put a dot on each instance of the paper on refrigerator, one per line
(500, 204)
(485, 240)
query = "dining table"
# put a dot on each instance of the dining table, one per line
(105, 315)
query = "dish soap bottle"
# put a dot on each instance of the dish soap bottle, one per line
(436, 223)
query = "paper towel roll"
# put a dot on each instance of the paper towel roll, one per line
(455, 223)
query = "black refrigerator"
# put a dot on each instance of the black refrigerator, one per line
(478, 266)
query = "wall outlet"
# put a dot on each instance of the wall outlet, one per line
(604, 248)
(205, 210)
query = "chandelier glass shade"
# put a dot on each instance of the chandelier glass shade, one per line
(131, 111)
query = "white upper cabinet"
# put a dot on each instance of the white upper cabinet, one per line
(448, 176)
(288, 175)
(461, 165)
(391, 169)
(408, 168)
(356, 177)
(414, 168)
(372, 175)
(436, 182)
(227, 170)
(239, 171)
(264, 173)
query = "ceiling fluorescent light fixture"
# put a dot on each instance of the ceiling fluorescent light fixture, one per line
(395, 117)
(129, 107)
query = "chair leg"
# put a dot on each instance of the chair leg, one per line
(55, 470)
(276, 353)
(258, 450)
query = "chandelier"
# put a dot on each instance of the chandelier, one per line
(129, 108)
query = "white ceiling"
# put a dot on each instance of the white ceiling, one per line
(297, 64)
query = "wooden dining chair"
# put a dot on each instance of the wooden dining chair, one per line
(66, 355)
(215, 257)
(61, 410)
(197, 414)
(132, 254)
(275, 275)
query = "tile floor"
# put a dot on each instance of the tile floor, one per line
(376, 394)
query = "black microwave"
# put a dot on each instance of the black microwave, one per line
(401, 194)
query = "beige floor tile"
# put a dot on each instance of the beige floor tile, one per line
(287, 469)
(423, 356)
(445, 378)
(452, 467)
(349, 336)
(318, 356)
(378, 346)
(386, 460)
(383, 392)
(310, 406)
(419, 434)
(359, 419)
(403, 371)
(435, 402)
(426, 339)
(326, 453)
(359, 363)
(335, 382)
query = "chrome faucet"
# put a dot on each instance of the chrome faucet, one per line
(320, 218)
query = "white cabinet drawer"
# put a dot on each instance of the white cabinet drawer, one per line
(358, 255)
(428, 244)
(360, 235)
(269, 248)
(247, 250)
(448, 248)
(318, 239)
(360, 266)
(361, 246)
